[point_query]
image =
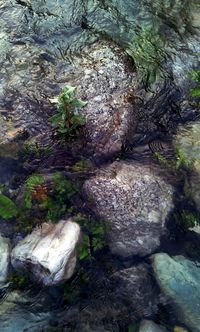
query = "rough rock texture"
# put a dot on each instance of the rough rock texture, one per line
(149, 326)
(179, 278)
(4, 258)
(187, 141)
(135, 201)
(105, 78)
(135, 287)
(48, 253)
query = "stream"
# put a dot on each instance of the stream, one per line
(131, 61)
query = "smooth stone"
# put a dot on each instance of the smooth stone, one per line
(48, 254)
(179, 279)
(4, 258)
(135, 200)
(149, 326)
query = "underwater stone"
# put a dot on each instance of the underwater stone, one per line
(48, 254)
(135, 201)
(179, 279)
(149, 326)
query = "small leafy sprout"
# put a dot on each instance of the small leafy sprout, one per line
(67, 120)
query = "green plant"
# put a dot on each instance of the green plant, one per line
(93, 236)
(186, 219)
(32, 182)
(67, 120)
(195, 76)
(33, 150)
(8, 208)
(59, 201)
(80, 166)
(18, 280)
(147, 51)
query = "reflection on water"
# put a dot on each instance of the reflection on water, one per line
(38, 43)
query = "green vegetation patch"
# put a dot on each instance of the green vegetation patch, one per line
(67, 121)
(147, 51)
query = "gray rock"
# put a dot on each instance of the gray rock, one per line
(19, 312)
(135, 201)
(149, 326)
(187, 141)
(4, 258)
(134, 287)
(105, 79)
(179, 278)
(48, 254)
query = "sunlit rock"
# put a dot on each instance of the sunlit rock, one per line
(4, 258)
(135, 201)
(179, 279)
(48, 254)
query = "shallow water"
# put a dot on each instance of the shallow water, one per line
(38, 43)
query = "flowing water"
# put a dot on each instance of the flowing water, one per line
(39, 40)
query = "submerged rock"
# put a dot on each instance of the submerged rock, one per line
(4, 258)
(149, 326)
(135, 287)
(135, 202)
(19, 312)
(179, 278)
(188, 144)
(106, 79)
(48, 254)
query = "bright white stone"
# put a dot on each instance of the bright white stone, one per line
(4, 258)
(48, 254)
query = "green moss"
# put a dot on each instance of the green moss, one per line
(147, 51)
(195, 92)
(18, 281)
(186, 219)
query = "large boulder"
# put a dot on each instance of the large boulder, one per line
(48, 254)
(4, 258)
(179, 278)
(149, 326)
(105, 78)
(135, 201)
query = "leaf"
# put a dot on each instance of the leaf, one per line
(78, 103)
(54, 100)
(8, 208)
(69, 89)
(195, 92)
(55, 119)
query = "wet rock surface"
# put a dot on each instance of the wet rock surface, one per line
(135, 201)
(48, 254)
(187, 141)
(179, 279)
(149, 326)
(16, 315)
(105, 79)
(46, 45)
(5, 258)
(136, 288)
